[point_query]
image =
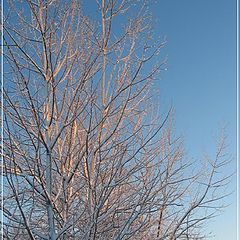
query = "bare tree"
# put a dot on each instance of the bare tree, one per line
(88, 153)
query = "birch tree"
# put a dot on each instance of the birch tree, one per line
(88, 152)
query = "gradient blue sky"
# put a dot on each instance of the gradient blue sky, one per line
(201, 79)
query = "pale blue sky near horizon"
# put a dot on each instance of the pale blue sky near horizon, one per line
(201, 81)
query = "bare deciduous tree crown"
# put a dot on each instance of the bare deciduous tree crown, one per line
(87, 152)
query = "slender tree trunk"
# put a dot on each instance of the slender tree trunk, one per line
(52, 233)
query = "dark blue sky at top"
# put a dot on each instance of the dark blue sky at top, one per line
(201, 76)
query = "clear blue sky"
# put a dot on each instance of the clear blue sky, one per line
(201, 79)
